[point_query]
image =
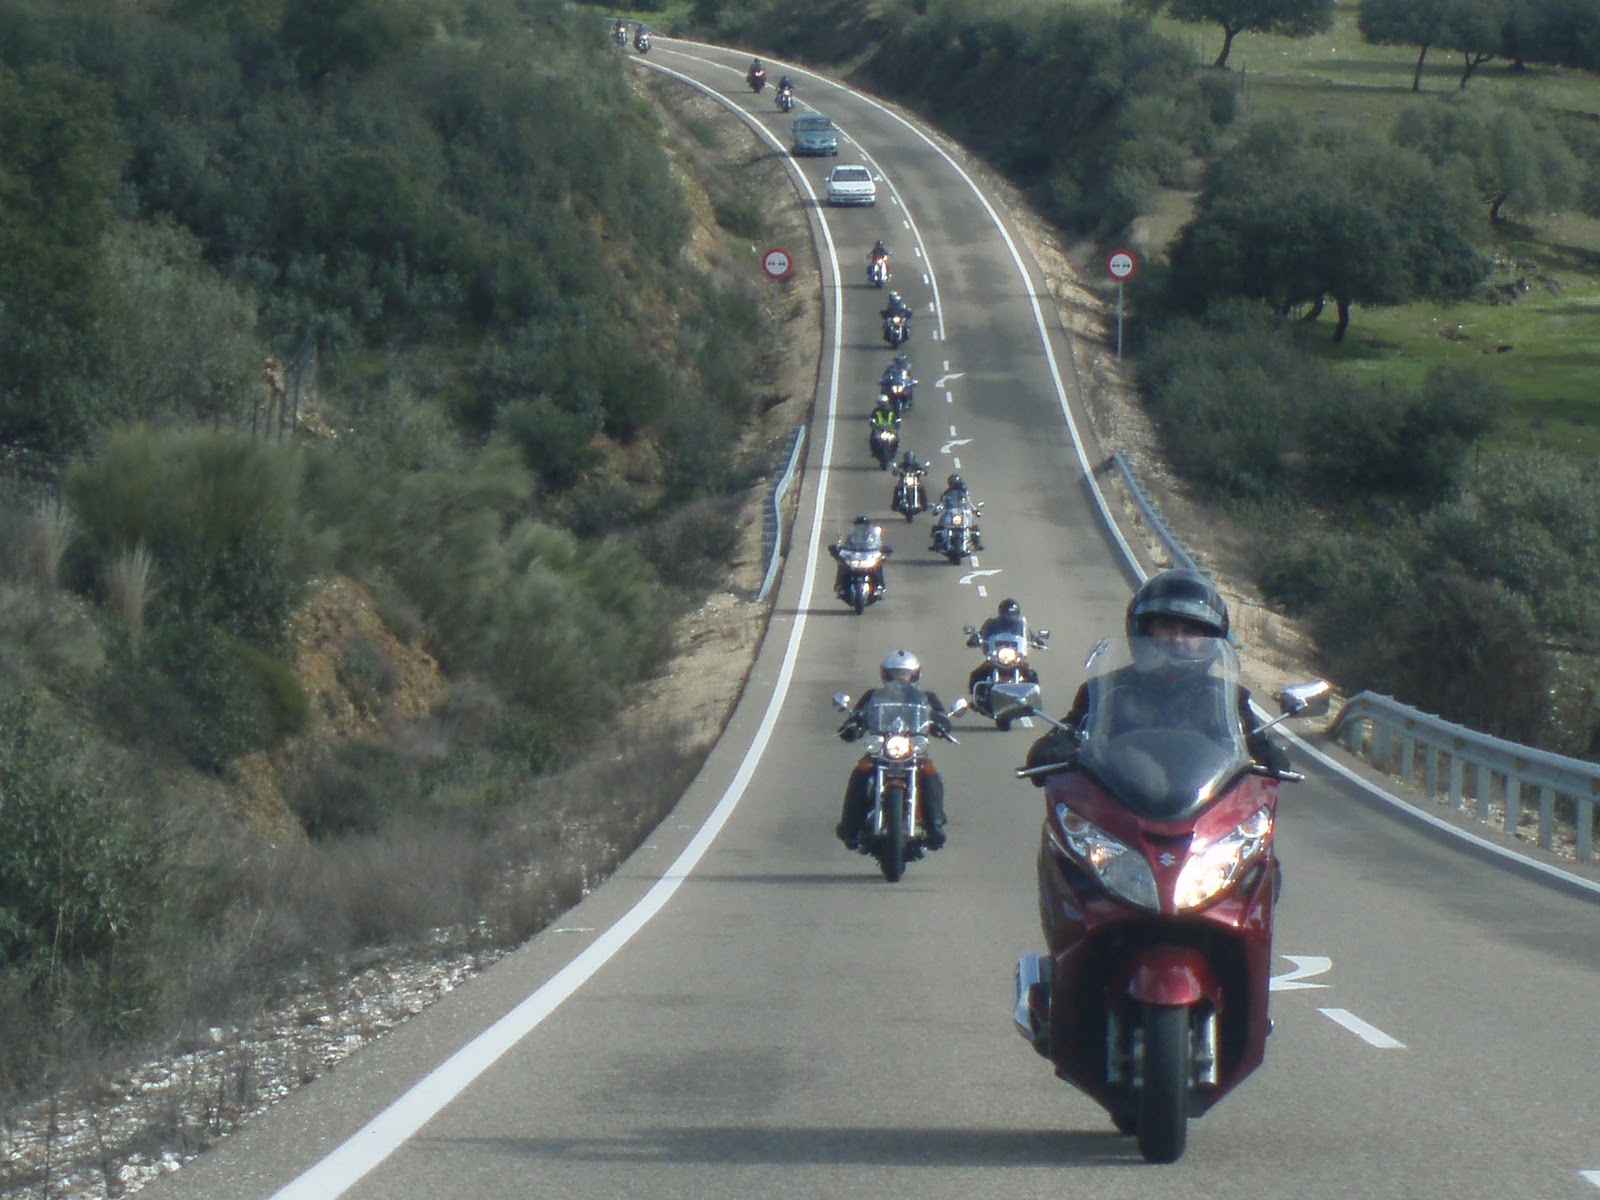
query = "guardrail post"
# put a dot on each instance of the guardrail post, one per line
(1408, 758)
(1482, 786)
(1430, 770)
(1513, 803)
(1354, 732)
(1585, 829)
(1382, 746)
(1547, 817)
(1457, 777)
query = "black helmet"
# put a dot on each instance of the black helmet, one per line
(894, 299)
(879, 248)
(862, 519)
(900, 665)
(1180, 593)
(955, 481)
(1009, 608)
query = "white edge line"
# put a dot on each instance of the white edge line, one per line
(1592, 1176)
(384, 1134)
(1370, 1034)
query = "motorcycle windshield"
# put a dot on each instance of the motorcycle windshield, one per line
(898, 708)
(1162, 732)
(1008, 645)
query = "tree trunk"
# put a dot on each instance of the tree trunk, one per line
(1416, 76)
(1315, 310)
(1494, 209)
(1228, 32)
(1473, 62)
(1344, 319)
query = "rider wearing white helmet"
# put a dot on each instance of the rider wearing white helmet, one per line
(901, 671)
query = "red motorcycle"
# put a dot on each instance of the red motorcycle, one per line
(756, 77)
(1157, 881)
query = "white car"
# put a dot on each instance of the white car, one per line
(851, 185)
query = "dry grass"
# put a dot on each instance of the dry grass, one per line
(47, 534)
(128, 588)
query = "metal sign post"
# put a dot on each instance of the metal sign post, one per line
(1121, 266)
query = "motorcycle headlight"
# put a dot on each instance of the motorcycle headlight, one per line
(898, 746)
(1216, 866)
(1006, 655)
(957, 520)
(1121, 868)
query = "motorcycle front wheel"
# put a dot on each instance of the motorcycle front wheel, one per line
(1163, 1130)
(858, 596)
(892, 850)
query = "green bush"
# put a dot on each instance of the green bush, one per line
(78, 878)
(689, 547)
(218, 513)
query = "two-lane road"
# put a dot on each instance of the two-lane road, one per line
(745, 1010)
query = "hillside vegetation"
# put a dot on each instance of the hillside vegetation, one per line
(1367, 313)
(371, 400)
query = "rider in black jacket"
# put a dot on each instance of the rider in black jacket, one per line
(903, 668)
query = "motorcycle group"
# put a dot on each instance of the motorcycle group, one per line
(1156, 870)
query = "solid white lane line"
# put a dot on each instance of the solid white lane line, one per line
(1370, 1034)
(1592, 1176)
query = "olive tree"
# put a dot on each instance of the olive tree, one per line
(1288, 18)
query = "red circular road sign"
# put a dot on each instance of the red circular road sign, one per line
(777, 263)
(1121, 265)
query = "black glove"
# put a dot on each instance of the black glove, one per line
(1057, 746)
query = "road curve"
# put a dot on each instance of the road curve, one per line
(744, 1009)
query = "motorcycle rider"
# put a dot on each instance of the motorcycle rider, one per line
(895, 305)
(784, 84)
(756, 71)
(955, 495)
(899, 667)
(863, 536)
(883, 415)
(641, 39)
(1183, 616)
(909, 464)
(1008, 618)
(898, 372)
(619, 30)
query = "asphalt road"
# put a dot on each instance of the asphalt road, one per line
(772, 1019)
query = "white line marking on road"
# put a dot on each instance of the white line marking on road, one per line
(971, 575)
(952, 431)
(955, 462)
(1025, 722)
(982, 591)
(949, 398)
(947, 377)
(953, 443)
(1306, 966)
(1370, 1034)
(1592, 1176)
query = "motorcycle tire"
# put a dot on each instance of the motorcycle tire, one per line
(1163, 1128)
(909, 514)
(955, 557)
(892, 851)
(858, 596)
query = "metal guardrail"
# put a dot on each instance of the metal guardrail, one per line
(772, 524)
(1175, 547)
(1404, 741)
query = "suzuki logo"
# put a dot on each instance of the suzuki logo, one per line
(1167, 858)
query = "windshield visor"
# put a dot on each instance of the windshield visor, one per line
(1163, 733)
(898, 708)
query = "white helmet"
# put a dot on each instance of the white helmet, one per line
(900, 665)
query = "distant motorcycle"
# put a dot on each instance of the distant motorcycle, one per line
(884, 442)
(878, 271)
(910, 497)
(898, 386)
(619, 34)
(785, 99)
(897, 329)
(860, 576)
(955, 530)
(642, 42)
(757, 79)
(1004, 677)
(899, 729)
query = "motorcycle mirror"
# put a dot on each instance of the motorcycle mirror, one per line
(1044, 636)
(1310, 699)
(969, 630)
(1008, 701)
(841, 701)
(960, 706)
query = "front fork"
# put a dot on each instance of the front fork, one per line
(914, 824)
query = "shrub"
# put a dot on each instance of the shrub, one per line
(78, 879)
(217, 513)
(687, 546)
